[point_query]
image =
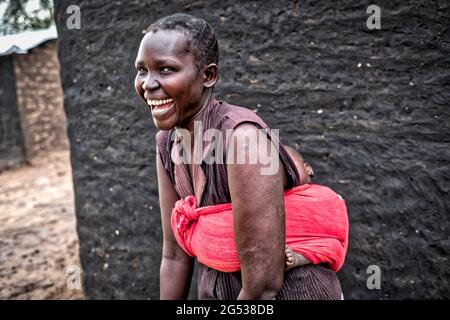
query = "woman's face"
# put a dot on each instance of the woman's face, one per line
(168, 80)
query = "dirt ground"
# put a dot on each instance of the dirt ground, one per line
(38, 241)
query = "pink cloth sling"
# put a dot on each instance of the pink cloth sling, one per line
(316, 227)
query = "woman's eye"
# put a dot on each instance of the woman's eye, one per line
(166, 69)
(141, 69)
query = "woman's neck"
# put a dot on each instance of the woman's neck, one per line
(204, 103)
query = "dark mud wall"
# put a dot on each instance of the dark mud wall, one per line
(368, 108)
(11, 137)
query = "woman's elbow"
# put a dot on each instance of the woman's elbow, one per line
(172, 251)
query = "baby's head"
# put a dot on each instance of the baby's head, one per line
(177, 67)
(305, 171)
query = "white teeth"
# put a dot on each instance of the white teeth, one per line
(160, 112)
(158, 102)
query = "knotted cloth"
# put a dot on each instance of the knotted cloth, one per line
(316, 227)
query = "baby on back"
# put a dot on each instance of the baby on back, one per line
(306, 172)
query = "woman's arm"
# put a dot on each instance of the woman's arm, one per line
(176, 265)
(258, 215)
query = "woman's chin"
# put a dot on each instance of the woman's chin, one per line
(165, 119)
(163, 125)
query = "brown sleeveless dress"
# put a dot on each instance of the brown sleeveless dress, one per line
(210, 186)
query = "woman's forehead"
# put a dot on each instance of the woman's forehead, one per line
(165, 42)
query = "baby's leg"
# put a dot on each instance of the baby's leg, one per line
(294, 259)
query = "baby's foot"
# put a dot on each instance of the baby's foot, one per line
(294, 259)
(290, 259)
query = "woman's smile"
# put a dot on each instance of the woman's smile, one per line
(161, 109)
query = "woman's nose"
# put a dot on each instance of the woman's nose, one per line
(150, 83)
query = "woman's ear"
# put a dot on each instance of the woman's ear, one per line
(309, 169)
(211, 75)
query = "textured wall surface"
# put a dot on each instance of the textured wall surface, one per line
(40, 99)
(11, 139)
(368, 108)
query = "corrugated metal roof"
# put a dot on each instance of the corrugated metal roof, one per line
(20, 43)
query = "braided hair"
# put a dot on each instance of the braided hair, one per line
(202, 40)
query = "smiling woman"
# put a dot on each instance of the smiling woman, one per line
(169, 80)
(177, 68)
